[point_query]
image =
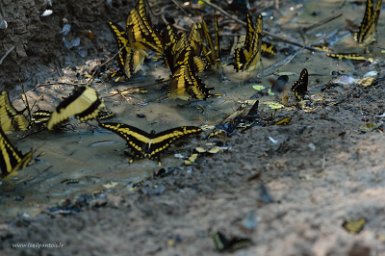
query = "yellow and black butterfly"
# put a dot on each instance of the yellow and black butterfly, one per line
(367, 31)
(249, 56)
(268, 50)
(41, 117)
(149, 145)
(211, 48)
(175, 47)
(141, 30)
(300, 86)
(354, 226)
(84, 103)
(11, 159)
(349, 56)
(10, 118)
(185, 77)
(130, 57)
(195, 38)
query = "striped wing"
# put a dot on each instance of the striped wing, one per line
(186, 79)
(122, 42)
(149, 145)
(84, 104)
(211, 51)
(11, 159)
(249, 56)
(255, 46)
(349, 56)
(268, 50)
(163, 140)
(367, 30)
(140, 28)
(10, 118)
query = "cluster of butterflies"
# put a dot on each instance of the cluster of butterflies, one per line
(83, 104)
(188, 55)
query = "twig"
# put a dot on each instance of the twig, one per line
(180, 6)
(322, 22)
(59, 83)
(97, 68)
(264, 32)
(274, 67)
(26, 103)
(224, 12)
(6, 54)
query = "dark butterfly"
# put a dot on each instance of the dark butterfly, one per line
(279, 85)
(242, 119)
(300, 86)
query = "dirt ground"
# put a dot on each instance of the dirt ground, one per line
(288, 188)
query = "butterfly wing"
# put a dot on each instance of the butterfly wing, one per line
(11, 158)
(10, 118)
(186, 79)
(250, 31)
(239, 59)
(122, 42)
(141, 29)
(349, 56)
(163, 140)
(367, 30)
(300, 86)
(268, 50)
(145, 144)
(41, 116)
(136, 139)
(195, 38)
(248, 57)
(211, 51)
(254, 48)
(195, 86)
(84, 103)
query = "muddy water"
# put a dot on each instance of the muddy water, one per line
(86, 159)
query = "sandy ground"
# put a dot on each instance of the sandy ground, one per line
(322, 171)
(287, 188)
